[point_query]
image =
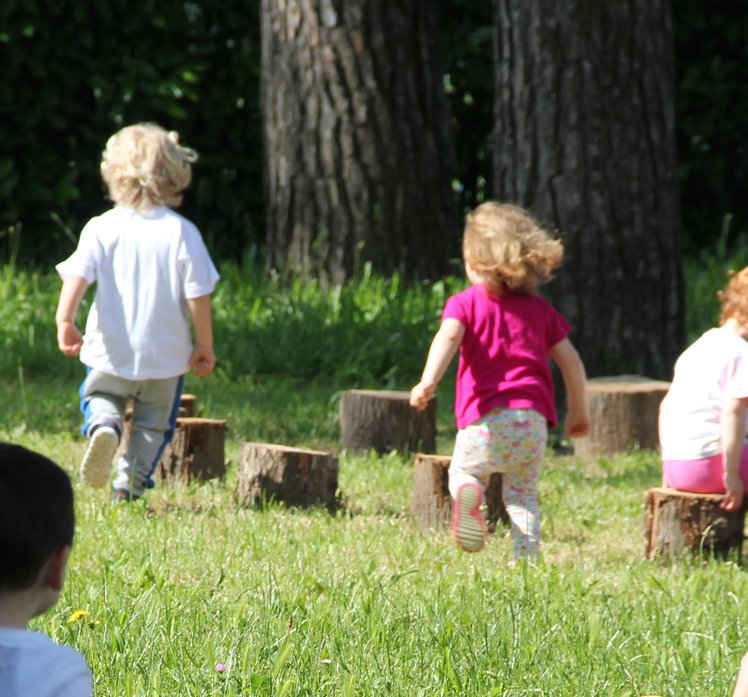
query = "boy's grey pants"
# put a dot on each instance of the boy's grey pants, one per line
(155, 409)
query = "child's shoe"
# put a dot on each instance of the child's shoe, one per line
(123, 496)
(97, 462)
(468, 524)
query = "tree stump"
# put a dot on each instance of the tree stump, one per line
(195, 452)
(295, 476)
(431, 504)
(385, 421)
(187, 405)
(623, 415)
(679, 521)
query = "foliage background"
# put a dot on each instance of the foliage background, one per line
(75, 72)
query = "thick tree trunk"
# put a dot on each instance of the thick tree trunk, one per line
(584, 138)
(358, 156)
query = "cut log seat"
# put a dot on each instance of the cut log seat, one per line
(623, 415)
(430, 502)
(295, 476)
(383, 420)
(676, 522)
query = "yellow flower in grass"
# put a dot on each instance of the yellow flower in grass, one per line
(80, 616)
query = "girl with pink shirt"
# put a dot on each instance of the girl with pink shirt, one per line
(504, 401)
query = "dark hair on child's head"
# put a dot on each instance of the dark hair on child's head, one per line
(734, 297)
(36, 515)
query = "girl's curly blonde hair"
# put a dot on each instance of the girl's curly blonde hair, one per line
(144, 166)
(508, 249)
(734, 297)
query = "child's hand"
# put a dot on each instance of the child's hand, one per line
(421, 395)
(577, 424)
(734, 495)
(202, 360)
(69, 338)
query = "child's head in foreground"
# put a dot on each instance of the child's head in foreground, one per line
(507, 249)
(734, 298)
(144, 166)
(36, 524)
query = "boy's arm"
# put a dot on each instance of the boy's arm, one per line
(69, 337)
(567, 359)
(443, 348)
(733, 437)
(203, 359)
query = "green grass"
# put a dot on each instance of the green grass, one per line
(358, 603)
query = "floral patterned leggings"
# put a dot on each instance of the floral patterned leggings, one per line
(512, 442)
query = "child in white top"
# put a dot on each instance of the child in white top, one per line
(36, 536)
(506, 334)
(703, 416)
(151, 270)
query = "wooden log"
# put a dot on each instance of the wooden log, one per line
(623, 415)
(383, 420)
(676, 522)
(195, 452)
(431, 504)
(187, 407)
(295, 476)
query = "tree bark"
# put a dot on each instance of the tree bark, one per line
(295, 476)
(383, 420)
(624, 413)
(676, 522)
(584, 138)
(431, 503)
(358, 154)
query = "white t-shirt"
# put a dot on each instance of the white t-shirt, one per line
(145, 266)
(32, 665)
(713, 369)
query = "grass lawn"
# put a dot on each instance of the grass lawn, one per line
(189, 594)
(290, 602)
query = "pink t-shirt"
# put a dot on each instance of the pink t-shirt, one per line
(504, 355)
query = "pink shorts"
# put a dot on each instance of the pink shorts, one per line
(702, 476)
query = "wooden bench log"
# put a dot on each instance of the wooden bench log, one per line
(383, 420)
(187, 406)
(196, 451)
(431, 504)
(295, 476)
(623, 415)
(676, 522)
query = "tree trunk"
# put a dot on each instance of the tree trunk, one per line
(358, 155)
(584, 138)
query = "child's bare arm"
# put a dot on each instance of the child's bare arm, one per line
(567, 359)
(733, 437)
(443, 348)
(203, 359)
(69, 337)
